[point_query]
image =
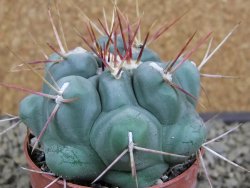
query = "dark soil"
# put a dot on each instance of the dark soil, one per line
(178, 169)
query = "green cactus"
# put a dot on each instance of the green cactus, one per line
(135, 95)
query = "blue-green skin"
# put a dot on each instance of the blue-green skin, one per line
(86, 135)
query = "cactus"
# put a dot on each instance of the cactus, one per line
(99, 97)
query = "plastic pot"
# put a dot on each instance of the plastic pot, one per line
(187, 179)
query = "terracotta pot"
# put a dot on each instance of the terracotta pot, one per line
(187, 179)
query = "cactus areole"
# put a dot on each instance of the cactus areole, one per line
(104, 95)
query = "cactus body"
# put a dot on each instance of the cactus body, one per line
(86, 135)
